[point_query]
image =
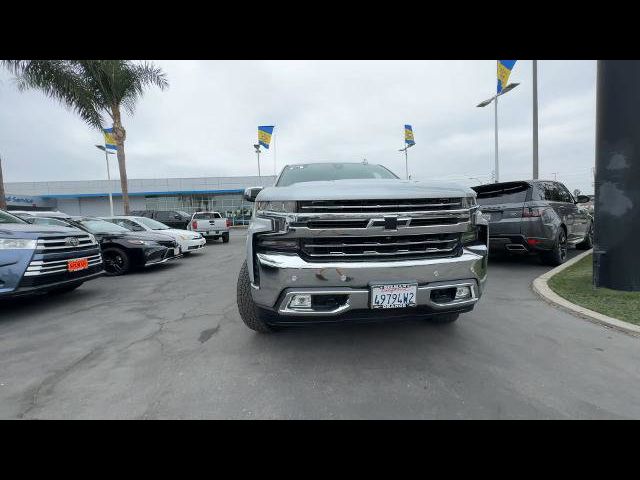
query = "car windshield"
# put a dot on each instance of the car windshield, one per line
(184, 214)
(101, 226)
(312, 172)
(48, 221)
(151, 223)
(206, 216)
(8, 218)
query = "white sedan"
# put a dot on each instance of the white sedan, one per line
(188, 241)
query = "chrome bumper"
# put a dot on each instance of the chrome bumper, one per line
(282, 276)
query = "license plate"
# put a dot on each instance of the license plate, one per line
(78, 264)
(397, 295)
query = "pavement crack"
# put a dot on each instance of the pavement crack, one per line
(47, 386)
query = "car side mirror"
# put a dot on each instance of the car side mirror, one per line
(583, 199)
(251, 193)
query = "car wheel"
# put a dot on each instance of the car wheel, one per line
(558, 255)
(587, 243)
(225, 237)
(444, 318)
(250, 314)
(116, 262)
(65, 289)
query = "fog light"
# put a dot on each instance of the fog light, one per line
(300, 301)
(462, 293)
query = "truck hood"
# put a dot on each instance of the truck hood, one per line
(29, 231)
(366, 189)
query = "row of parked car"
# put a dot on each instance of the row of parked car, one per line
(55, 252)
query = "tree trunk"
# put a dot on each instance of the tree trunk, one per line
(3, 201)
(120, 136)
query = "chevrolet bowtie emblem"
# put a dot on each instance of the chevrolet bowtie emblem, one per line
(391, 222)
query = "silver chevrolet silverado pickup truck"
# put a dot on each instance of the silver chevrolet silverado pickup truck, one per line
(335, 242)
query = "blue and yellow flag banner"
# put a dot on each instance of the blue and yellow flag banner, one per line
(408, 135)
(109, 141)
(504, 70)
(264, 135)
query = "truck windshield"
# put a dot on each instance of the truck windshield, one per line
(313, 172)
(8, 218)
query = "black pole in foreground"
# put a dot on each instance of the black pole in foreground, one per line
(617, 184)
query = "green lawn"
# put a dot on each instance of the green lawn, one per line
(575, 284)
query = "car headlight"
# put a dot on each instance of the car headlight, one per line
(92, 238)
(140, 242)
(185, 237)
(17, 244)
(275, 207)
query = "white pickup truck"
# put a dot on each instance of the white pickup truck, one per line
(210, 225)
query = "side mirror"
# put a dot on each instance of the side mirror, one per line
(251, 193)
(583, 199)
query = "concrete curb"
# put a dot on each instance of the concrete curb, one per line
(541, 287)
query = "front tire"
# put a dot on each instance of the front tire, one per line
(250, 314)
(116, 262)
(558, 255)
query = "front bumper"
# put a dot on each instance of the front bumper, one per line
(193, 245)
(281, 275)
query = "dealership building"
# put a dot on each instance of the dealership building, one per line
(91, 198)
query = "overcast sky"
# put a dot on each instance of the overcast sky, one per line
(205, 124)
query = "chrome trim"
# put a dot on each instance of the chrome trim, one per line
(44, 267)
(359, 299)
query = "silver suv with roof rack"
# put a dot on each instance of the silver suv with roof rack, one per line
(334, 242)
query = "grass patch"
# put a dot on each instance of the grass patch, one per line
(576, 285)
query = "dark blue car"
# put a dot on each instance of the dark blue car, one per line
(41, 258)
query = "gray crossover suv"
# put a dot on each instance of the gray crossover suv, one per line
(535, 216)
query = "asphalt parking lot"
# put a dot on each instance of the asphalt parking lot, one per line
(168, 342)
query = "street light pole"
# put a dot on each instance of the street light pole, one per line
(497, 165)
(106, 156)
(506, 89)
(257, 147)
(535, 119)
(406, 160)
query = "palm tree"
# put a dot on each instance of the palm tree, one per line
(93, 88)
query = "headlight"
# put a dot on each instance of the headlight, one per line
(275, 207)
(140, 242)
(17, 244)
(92, 238)
(185, 237)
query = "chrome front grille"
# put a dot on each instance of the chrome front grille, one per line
(46, 267)
(388, 246)
(64, 244)
(369, 206)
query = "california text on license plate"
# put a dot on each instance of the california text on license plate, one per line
(78, 264)
(397, 295)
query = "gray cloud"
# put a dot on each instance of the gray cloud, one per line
(205, 124)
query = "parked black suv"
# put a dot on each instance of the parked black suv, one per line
(535, 216)
(171, 218)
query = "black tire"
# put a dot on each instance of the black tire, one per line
(116, 262)
(225, 237)
(444, 318)
(66, 288)
(558, 254)
(587, 243)
(250, 314)
(186, 254)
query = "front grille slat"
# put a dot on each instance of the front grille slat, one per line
(48, 267)
(367, 206)
(400, 246)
